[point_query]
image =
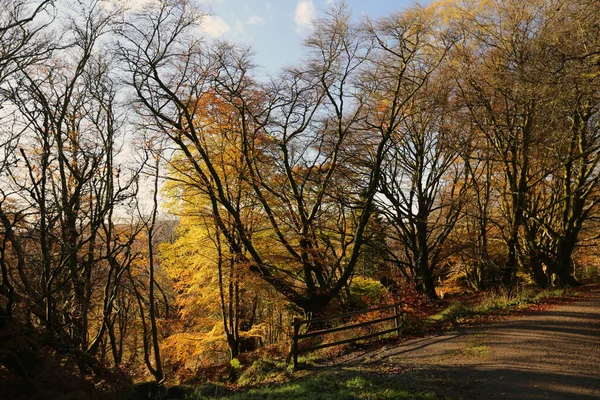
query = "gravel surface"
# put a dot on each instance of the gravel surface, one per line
(552, 354)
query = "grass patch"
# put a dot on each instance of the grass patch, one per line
(328, 385)
(263, 371)
(477, 347)
(478, 350)
(496, 303)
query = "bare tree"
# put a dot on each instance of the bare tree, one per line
(65, 182)
(300, 137)
(147, 303)
(423, 189)
(23, 42)
(413, 111)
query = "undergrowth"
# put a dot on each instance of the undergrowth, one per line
(496, 303)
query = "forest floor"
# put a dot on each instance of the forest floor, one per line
(548, 354)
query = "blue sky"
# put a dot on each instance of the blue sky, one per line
(276, 28)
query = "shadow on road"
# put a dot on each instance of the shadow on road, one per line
(554, 354)
(489, 382)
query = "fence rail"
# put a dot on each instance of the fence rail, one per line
(397, 317)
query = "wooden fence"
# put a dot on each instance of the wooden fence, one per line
(397, 317)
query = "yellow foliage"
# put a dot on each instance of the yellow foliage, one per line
(190, 263)
(193, 350)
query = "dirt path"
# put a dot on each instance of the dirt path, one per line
(553, 354)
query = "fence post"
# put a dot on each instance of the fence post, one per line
(295, 342)
(397, 320)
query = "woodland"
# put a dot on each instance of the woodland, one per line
(166, 208)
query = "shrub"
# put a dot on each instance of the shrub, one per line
(365, 292)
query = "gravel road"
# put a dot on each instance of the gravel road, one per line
(552, 354)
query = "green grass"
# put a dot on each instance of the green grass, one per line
(497, 303)
(477, 347)
(328, 385)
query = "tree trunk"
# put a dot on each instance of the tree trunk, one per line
(234, 345)
(423, 256)
(537, 271)
(563, 269)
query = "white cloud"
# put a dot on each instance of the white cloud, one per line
(330, 2)
(239, 27)
(214, 26)
(305, 12)
(137, 4)
(255, 20)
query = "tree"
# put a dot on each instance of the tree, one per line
(567, 198)
(296, 137)
(23, 42)
(64, 183)
(494, 61)
(220, 268)
(150, 338)
(412, 107)
(517, 75)
(423, 188)
(477, 257)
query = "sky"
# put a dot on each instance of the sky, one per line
(276, 28)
